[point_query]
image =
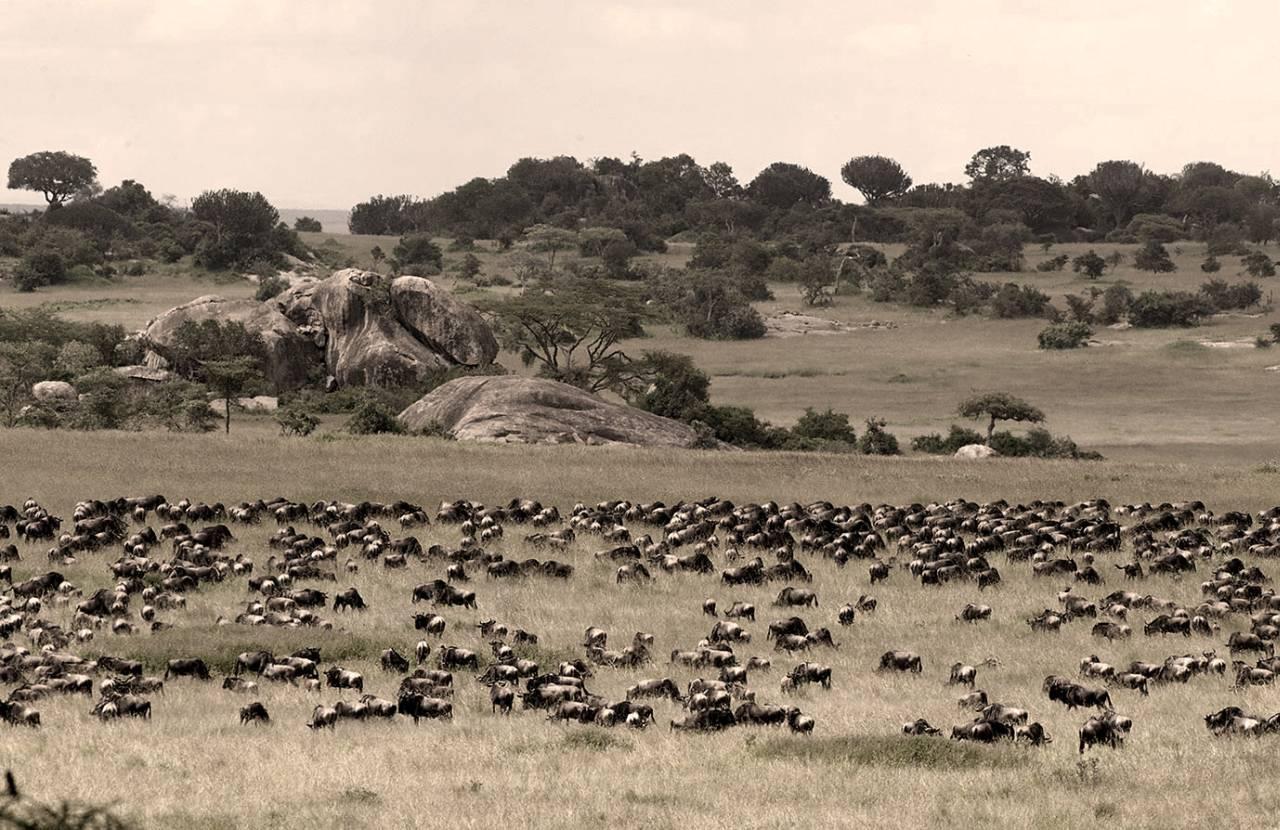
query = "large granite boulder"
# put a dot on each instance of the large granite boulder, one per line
(974, 452)
(292, 356)
(519, 410)
(357, 327)
(381, 330)
(53, 390)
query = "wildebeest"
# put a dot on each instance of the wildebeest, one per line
(392, 660)
(792, 596)
(904, 661)
(349, 598)
(339, 678)
(419, 706)
(187, 667)
(254, 713)
(919, 727)
(962, 675)
(1107, 729)
(974, 613)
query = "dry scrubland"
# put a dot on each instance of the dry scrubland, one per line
(194, 766)
(1178, 420)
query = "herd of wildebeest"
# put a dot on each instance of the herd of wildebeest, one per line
(155, 553)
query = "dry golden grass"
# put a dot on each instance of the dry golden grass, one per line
(193, 766)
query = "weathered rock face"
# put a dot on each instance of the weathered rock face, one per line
(974, 451)
(534, 411)
(357, 326)
(53, 390)
(379, 330)
(292, 356)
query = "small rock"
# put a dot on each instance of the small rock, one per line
(54, 390)
(975, 451)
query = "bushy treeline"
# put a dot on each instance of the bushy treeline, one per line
(650, 201)
(122, 229)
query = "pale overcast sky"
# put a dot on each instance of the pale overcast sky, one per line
(322, 104)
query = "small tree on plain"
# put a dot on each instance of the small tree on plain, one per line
(999, 406)
(1089, 264)
(231, 378)
(1153, 257)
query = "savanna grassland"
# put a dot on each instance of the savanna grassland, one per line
(194, 766)
(1177, 419)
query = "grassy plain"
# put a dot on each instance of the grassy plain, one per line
(193, 766)
(1177, 420)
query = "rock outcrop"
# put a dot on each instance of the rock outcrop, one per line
(358, 327)
(381, 330)
(518, 410)
(976, 451)
(292, 356)
(54, 390)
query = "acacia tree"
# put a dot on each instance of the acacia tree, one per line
(549, 239)
(999, 406)
(56, 174)
(21, 365)
(998, 164)
(232, 378)
(876, 177)
(570, 329)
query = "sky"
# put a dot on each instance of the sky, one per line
(324, 103)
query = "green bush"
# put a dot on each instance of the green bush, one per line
(373, 417)
(876, 440)
(825, 426)
(1211, 265)
(935, 444)
(417, 249)
(1089, 264)
(1161, 309)
(1065, 335)
(1224, 297)
(1156, 227)
(1116, 301)
(307, 224)
(38, 269)
(1258, 264)
(1055, 264)
(1012, 300)
(1155, 258)
(296, 421)
(1039, 443)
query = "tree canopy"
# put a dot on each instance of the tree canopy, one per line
(999, 406)
(876, 177)
(998, 164)
(56, 174)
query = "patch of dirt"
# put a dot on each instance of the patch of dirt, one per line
(1228, 344)
(796, 324)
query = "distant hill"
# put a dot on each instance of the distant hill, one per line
(333, 221)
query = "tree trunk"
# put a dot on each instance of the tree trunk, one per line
(991, 428)
(227, 428)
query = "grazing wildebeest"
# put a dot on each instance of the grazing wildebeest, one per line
(974, 613)
(393, 661)
(254, 713)
(339, 678)
(792, 596)
(349, 598)
(1107, 729)
(904, 661)
(419, 706)
(187, 667)
(962, 675)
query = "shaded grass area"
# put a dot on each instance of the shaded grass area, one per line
(888, 751)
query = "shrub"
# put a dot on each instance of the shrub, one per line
(1224, 297)
(1065, 335)
(297, 421)
(417, 249)
(1156, 226)
(307, 224)
(1211, 265)
(738, 425)
(1258, 264)
(76, 358)
(715, 308)
(1039, 443)
(1226, 239)
(40, 268)
(270, 287)
(616, 257)
(373, 417)
(1116, 301)
(825, 426)
(955, 439)
(1161, 309)
(1080, 308)
(876, 440)
(1056, 264)
(677, 388)
(1153, 257)
(1013, 300)
(1089, 264)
